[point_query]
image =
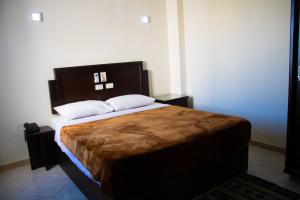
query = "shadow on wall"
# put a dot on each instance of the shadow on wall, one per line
(182, 49)
(268, 123)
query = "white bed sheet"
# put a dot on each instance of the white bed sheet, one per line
(58, 122)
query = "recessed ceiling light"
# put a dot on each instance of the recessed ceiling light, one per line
(145, 19)
(37, 16)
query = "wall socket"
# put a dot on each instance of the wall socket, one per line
(99, 87)
(96, 78)
(109, 85)
(103, 77)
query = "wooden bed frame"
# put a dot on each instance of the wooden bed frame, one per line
(72, 84)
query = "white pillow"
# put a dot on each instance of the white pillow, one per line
(83, 109)
(129, 101)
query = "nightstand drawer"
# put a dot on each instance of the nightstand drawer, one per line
(34, 150)
(178, 102)
(41, 148)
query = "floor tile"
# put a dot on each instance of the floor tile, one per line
(21, 183)
(70, 191)
(6, 196)
(269, 165)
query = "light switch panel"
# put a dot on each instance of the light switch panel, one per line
(96, 78)
(103, 77)
(99, 87)
(109, 85)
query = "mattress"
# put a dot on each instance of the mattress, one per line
(58, 122)
(114, 147)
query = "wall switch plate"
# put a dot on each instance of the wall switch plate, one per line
(109, 85)
(103, 76)
(99, 87)
(96, 78)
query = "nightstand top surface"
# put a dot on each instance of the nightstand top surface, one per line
(43, 130)
(170, 96)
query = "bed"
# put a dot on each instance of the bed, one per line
(180, 163)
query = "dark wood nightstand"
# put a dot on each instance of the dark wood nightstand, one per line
(173, 99)
(41, 147)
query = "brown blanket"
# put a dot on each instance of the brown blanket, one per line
(99, 144)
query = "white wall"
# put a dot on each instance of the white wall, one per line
(74, 32)
(233, 56)
(174, 45)
(237, 61)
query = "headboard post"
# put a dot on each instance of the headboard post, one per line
(145, 83)
(55, 97)
(73, 84)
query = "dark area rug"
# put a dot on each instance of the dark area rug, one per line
(246, 187)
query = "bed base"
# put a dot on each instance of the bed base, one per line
(180, 172)
(226, 165)
(88, 187)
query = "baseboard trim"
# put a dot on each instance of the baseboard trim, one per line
(14, 164)
(267, 146)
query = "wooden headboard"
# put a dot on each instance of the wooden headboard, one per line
(73, 84)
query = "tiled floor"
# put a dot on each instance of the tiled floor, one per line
(22, 183)
(269, 165)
